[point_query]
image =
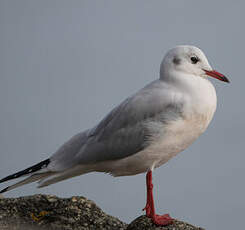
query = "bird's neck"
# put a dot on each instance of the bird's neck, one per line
(198, 92)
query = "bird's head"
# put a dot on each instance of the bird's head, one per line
(188, 60)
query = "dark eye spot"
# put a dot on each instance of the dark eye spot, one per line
(194, 59)
(176, 61)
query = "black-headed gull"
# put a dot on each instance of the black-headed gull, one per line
(143, 132)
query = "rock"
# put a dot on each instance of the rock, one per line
(144, 223)
(53, 213)
(48, 212)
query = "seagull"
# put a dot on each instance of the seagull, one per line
(143, 132)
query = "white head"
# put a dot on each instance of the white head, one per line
(189, 60)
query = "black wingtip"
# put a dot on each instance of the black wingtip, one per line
(32, 169)
(4, 190)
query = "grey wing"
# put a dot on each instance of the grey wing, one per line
(125, 130)
(64, 157)
(116, 136)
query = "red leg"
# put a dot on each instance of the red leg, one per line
(162, 220)
(149, 187)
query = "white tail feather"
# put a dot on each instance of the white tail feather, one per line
(59, 176)
(30, 179)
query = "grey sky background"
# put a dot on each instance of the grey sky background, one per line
(65, 64)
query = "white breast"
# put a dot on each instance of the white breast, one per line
(199, 108)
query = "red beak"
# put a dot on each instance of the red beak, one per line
(217, 75)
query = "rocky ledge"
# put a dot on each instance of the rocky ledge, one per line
(48, 212)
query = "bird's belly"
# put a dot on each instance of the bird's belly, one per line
(176, 137)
